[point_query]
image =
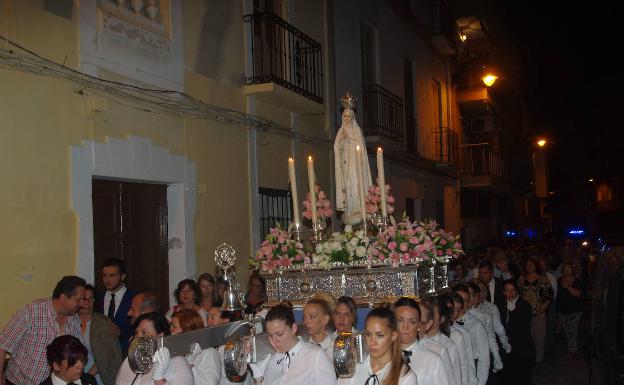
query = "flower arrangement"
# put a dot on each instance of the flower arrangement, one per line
(279, 250)
(414, 242)
(373, 200)
(344, 247)
(323, 206)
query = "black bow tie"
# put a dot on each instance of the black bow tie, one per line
(406, 356)
(285, 359)
(460, 322)
(372, 380)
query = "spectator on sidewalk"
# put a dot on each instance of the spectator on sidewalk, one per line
(570, 305)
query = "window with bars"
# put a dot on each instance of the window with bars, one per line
(275, 207)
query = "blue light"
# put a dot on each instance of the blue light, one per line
(576, 232)
(510, 234)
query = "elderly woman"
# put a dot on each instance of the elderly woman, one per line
(517, 321)
(67, 357)
(536, 290)
(102, 345)
(166, 369)
(189, 296)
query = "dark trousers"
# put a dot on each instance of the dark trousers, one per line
(518, 369)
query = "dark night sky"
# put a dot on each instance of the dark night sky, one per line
(573, 84)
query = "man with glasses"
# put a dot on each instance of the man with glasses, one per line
(35, 326)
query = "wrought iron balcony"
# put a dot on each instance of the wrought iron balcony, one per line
(482, 160)
(446, 145)
(383, 113)
(282, 54)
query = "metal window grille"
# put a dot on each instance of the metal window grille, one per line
(275, 207)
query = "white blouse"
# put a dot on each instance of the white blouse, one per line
(427, 365)
(363, 372)
(327, 345)
(441, 351)
(451, 348)
(178, 373)
(304, 364)
(206, 367)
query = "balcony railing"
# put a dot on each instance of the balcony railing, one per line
(482, 160)
(446, 145)
(284, 55)
(383, 113)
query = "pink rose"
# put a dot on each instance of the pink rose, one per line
(403, 246)
(392, 245)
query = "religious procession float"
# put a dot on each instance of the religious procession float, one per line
(376, 258)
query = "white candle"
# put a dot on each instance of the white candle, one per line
(311, 186)
(359, 159)
(293, 191)
(382, 182)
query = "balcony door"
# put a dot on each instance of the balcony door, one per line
(130, 223)
(269, 46)
(411, 133)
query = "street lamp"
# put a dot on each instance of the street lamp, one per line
(489, 79)
(542, 142)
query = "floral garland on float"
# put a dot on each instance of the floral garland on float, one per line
(369, 263)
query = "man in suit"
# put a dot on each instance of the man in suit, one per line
(66, 356)
(115, 301)
(494, 293)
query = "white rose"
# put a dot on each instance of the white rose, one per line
(354, 241)
(348, 229)
(319, 248)
(350, 248)
(360, 251)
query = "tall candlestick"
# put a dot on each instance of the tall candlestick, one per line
(381, 176)
(311, 186)
(359, 157)
(293, 191)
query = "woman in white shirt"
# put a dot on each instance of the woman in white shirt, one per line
(188, 295)
(166, 370)
(316, 317)
(294, 361)
(205, 363)
(345, 315)
(384, 365)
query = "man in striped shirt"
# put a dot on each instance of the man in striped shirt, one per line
(35, 326)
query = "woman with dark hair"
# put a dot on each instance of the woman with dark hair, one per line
(205, 363)
(345, 315)
(316, 318)
(424, 363)
(166, 369)
(440, 331)
(570, 304)
(103, 346)
(517, 321)
(461, 337)
(537, 291)
(188, 295)
(256, 293)
(384, 364)
(67, 358)
(294, 361)
(208, 286)
(428, 328)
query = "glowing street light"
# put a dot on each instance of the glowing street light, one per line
(541, 142)
(489, 79)
(591, 179)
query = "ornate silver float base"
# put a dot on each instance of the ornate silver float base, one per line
(383, 283)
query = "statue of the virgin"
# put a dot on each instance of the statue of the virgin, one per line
(345, 162)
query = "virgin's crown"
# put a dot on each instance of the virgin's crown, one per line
(348, 101)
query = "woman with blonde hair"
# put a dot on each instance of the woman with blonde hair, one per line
(316, 318)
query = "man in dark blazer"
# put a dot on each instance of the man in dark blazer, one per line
(115, 301)
(494, 293)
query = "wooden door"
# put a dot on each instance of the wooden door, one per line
(130, 223)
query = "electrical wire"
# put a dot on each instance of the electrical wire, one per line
(166, 102)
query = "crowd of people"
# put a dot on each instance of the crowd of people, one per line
(495, 322)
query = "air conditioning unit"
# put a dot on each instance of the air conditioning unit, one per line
(482, 124)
